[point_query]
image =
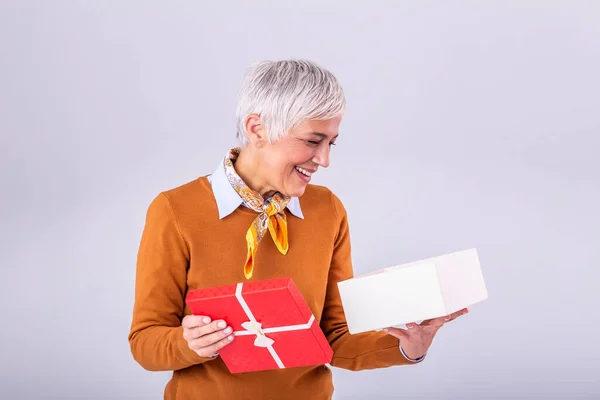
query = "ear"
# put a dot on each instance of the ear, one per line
(256, 131)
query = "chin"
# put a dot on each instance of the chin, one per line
(295, 191)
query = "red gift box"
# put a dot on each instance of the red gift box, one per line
(273, 326)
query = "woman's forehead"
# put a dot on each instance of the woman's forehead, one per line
(323, 128)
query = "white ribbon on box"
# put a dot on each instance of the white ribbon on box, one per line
(253, 327)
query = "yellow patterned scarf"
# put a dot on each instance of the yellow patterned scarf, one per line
(271, 214)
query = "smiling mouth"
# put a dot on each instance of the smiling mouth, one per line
(304, 172)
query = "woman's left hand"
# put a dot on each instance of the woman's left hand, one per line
(417, 338)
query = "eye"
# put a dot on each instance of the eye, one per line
(318, 142)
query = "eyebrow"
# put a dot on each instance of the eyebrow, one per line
(323, 135)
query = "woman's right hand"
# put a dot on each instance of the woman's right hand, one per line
(204, 337)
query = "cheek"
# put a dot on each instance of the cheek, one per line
(282, 169)
(303, 156)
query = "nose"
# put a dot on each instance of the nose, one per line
(322, 156)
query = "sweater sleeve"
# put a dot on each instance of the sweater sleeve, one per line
(156, 335)
(362, 351)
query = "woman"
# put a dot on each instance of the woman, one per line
(209, 232)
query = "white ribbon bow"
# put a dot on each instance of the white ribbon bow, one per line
(256, 329)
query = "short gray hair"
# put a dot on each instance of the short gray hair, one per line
(286, 93)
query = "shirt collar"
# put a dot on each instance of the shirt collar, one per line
(228, 200)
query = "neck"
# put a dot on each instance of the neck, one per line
(248, 167)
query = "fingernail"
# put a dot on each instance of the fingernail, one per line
(221, 324)
(206, 320)
(228, 330)
(447, 318)
(230, 338)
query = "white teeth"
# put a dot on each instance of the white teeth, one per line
(303, 171)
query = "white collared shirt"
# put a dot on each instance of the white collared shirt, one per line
(228, 200)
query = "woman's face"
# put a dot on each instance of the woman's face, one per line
(290, 162)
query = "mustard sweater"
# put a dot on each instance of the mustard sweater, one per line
(186, 246)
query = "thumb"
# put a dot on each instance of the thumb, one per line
(396, 332)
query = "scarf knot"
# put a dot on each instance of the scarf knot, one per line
(271, 214)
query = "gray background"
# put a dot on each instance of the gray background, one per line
(476, 122)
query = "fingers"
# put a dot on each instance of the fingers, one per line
(455, 315)
(396, 332)
(204, 336)
(196, 332)
(194, 321)
(438, 322)
(400, 331)
(208, 351)
(209, 339)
